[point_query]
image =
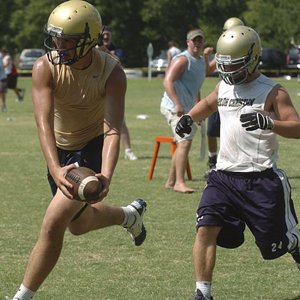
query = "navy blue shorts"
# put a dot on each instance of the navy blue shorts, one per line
(213, 125)
(260, 200)
(90, 156)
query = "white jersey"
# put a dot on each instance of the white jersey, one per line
(8, 64)
(174, 51)
(241, 150)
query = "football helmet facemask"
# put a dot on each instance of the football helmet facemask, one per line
(238, 54)
(76, 20)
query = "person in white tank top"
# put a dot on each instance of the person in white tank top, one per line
(118, 53)
(78, 100)
(172, 51)
(246, 189)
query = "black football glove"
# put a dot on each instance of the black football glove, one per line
(253, 121)
(184, 125)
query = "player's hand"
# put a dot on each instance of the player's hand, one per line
(184, 125)
(105, 183)
(253, 121)
(208, 51)
(62, 183)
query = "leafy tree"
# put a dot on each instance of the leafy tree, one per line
(135, 23)
(277, 21)
(126, 24)
(213, 15)
(26, 24)
(169, 20)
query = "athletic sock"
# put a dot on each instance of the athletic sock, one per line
(129, 218)
(23, 293)
(293, 243)
(205, 288)
(211, 154)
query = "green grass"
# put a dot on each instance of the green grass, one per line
(104, 265)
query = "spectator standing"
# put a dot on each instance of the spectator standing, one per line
(246, 188)
(118, 53)
(3, 84)
(78, 100)
(12, 75)
(182, 84)
(172, 51)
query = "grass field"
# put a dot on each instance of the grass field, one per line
(104, 265)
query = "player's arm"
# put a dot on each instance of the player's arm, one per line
(204, 108)
(43, 106)
(114, 116)
(281, 116)
(173, 73)
(210, 65)
(286, 120)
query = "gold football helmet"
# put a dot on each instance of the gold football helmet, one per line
(232, 22)
(77, 20)
(238, 54)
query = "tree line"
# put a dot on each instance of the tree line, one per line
(136, 23)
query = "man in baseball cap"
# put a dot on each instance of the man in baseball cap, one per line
(182, 84)
(194, 33)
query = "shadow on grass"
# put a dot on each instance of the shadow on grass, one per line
(295, 298)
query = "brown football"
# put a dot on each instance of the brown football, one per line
(86, 186)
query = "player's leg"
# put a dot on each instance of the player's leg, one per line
(49, 244)
(218, 223)
(96, 216)
(272, 218)
(212, 143)
(3, 89)
(213, 132)
(291, 220)
(100, 215)
(12, 84)
(204, 257)
(125, 139)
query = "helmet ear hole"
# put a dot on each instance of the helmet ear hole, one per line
(74, 19)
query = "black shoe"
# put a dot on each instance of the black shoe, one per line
(199, 296)
(211, 165)
(21, 94)
(296, 253)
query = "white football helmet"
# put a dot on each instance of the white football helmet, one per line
(238, 54)
(74, 19)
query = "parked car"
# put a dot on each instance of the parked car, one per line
(273, 61)
(28, 57)
(293, 57)
(159, 63)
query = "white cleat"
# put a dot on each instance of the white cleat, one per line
(137, 230)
